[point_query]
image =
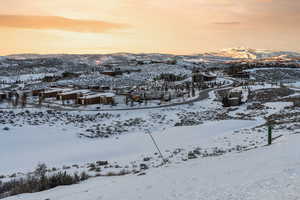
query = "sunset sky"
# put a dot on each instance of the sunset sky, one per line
(167, 26)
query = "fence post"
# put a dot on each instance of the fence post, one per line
(269, 135)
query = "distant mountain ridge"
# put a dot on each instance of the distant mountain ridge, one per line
(231, 53)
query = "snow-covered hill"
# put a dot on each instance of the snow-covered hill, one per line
(266, 173)
(230, 53)
(258, 172)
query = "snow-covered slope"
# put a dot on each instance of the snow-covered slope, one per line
(37, 147)
(247, 53)
(271, 172)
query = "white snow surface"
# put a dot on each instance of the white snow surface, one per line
(21, 149)
(271, 172)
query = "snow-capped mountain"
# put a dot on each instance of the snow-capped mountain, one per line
(248, 53)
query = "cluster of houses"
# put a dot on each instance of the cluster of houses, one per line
(142, 94)
(80, 97)
(163, 90)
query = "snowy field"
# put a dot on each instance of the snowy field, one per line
(266, 173)
(23, 148)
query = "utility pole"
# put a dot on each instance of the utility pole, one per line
(156, 146)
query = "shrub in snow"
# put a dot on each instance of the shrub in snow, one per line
(146, 159)
(143, 166)
(92, 167)
(120, 173)
(39, 182)
(101, 163)
(191, 155)
(40, 170)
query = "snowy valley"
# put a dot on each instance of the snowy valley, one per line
(218, 125)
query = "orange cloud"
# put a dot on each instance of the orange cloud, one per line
(57, 23)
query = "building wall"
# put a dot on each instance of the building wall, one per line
(67, 96)
(50, 94)
(96, 100)
(37, 92)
